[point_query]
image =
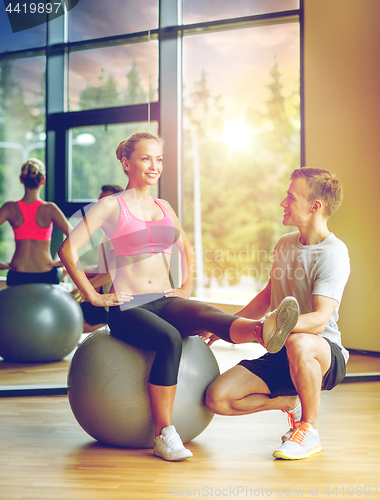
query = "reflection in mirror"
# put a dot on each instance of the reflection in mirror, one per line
(92, 166)
(51, 373)
(22, 132)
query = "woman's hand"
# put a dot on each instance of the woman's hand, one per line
(78, 295)
(208, 338)
(182, 292)
(57, 261)
(110, 299)
(4, 265)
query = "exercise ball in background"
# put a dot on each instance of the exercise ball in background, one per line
(109, 396)
(38, 323)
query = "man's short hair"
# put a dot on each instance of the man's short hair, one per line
(115, 188)
(323, 185)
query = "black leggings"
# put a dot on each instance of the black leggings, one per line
(160, 324)
(52, 277)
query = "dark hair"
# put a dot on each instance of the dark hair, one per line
(323, 185)
(126, 148)
(32, 173)
(115, 188)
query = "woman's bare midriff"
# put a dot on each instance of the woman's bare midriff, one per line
(146, 273)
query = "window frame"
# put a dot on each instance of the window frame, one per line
(167, 111)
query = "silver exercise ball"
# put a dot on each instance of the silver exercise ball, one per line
(109, 396)
(38, 323)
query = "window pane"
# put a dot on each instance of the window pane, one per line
(89, 19)
(114, 76)
(241, 141)
(197, 11)
(93, 158)
(22, 130)
(27, 39)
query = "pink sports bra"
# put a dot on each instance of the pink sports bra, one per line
(134, 236)
(29, 229)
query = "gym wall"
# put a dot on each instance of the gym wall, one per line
(342, 124)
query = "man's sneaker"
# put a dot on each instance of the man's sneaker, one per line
(303, 443)
(169, 446)
(278, 324)
(294, 420)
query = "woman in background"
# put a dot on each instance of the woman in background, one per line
(32, 222)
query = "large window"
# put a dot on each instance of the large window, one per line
(219, 80)
(241, 141)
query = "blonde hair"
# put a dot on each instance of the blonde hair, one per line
(323, 185)
(126, 148)
(32, 173)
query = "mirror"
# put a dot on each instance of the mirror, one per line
(18, 376)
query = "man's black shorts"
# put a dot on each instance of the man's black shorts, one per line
(273, 369)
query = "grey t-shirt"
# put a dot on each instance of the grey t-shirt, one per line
(306, 270)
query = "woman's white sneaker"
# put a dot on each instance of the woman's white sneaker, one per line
(278, 324)
(169, 446)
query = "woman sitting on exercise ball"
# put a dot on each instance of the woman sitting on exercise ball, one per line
(145, 310)
(32, 222)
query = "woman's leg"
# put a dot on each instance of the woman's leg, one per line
(192, 317)
(143, 328)
(162, 402)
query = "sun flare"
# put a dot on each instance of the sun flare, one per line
(237, 136)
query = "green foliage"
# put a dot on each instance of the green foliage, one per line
(241, 188)
(109, 93)
(105, 94)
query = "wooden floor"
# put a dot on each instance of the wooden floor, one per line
(44, 453)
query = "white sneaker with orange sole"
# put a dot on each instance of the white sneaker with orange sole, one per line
(303, 443)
